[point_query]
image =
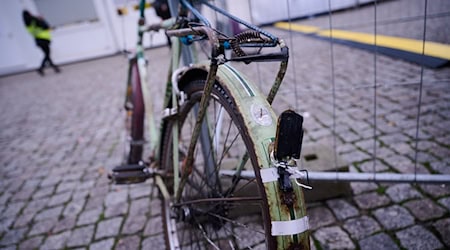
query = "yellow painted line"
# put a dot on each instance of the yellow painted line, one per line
(296, 27)
(434, 49)
(416, 46)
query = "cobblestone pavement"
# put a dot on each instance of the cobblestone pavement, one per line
(61, 133)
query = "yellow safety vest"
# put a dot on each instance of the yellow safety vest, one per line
(38, 32)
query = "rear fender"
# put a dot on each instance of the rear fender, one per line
(261, 122)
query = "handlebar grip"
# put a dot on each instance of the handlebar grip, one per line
(187, 31)
(200, 30)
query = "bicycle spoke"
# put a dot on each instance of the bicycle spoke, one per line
(235, 236)
(207, 238)
(251, 181)
(205, 200)
(225, 149)
(236, 176)
(235, 223)
(198, 186)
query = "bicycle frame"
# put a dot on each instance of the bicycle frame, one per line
(227, 76)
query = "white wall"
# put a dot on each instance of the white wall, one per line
(112, 33)
(268, 11)
(16, 46)
(84, 40)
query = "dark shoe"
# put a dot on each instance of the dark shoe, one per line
(41, 71)
(56, 68)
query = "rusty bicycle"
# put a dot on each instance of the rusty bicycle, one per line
(223, 162)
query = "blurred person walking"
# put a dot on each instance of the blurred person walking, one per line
(40, 30)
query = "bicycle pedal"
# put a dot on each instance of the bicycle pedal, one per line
(131, 167)
(129, 177)
(288, 141)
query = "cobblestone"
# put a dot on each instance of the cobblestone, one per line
(361, 227)
(371, 200)
(89, 217)
(64, 224)
(319, 217)
(440, 167)
(130, 242)
(394, 217)
(362, 187)
(57, 241)
(116, 197)
(81, 236)
(417, 237)
(108, 227)
(49, 213)
(42, 227)
(51, 181)
(102, 245)
(12, 237)
(445, 202)
(66, 186)
(73, 208)
(333, 238)
(436, 191)
(31, 243)
(342, 209)
(59, 199)
(23, 220)
(94, 203)
(139, 207)
(425, 209)
(443, 227)
(12, 209)
(23, 195)
(356, 156)
(154, 226)
(43, 192)
(35, 206)
(378, 241)
(116, 210)
(134, 224)
(154, 242)
(402, 192)
(369, 167)
(140, 191)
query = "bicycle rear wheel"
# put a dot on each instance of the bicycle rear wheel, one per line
(215, 212)
(134, 120)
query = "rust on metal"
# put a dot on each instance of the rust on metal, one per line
(277, 83)
(288, 198)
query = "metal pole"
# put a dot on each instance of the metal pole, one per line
(360, 177)
(378, 177)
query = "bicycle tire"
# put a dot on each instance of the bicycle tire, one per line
(212, 218)
(135, 119)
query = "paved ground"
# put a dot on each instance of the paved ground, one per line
(59, 134)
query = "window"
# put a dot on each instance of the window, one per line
(65, 12)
